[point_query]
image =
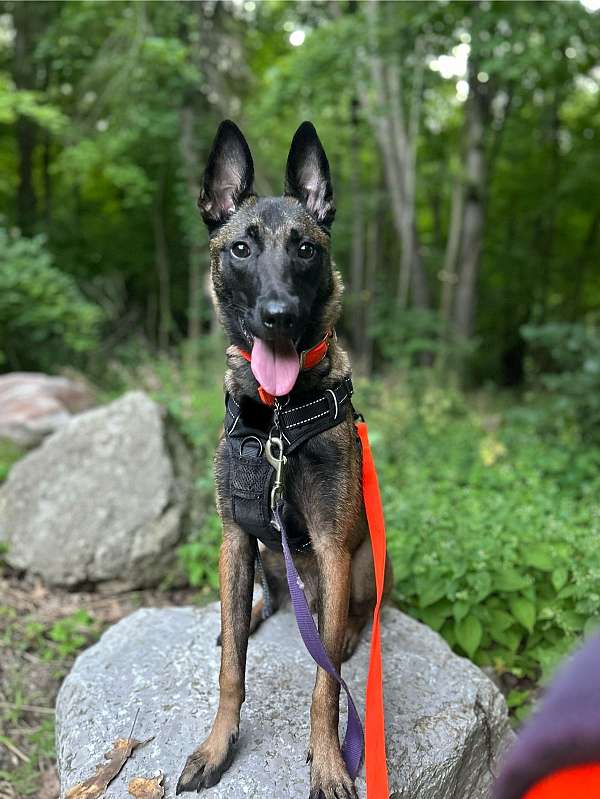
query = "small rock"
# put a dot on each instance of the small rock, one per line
(34, 405)
(446, 722)
(102, 500)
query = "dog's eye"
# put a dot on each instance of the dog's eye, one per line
(240, 249)
(306, 250)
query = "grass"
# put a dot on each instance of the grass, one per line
(36, 656)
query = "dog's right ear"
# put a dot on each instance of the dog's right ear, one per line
(228, 176)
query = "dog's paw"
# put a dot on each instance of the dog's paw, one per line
(329, 778)
(351, 641)
(206, 765)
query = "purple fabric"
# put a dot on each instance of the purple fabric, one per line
(352, 748)
(564, 732)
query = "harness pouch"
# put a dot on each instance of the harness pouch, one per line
(250, 480)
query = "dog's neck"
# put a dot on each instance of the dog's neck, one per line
(240, 382)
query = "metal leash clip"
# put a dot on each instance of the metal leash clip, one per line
(278, 462)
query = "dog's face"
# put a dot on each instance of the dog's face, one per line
(271, 269)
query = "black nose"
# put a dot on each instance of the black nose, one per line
(278, 316)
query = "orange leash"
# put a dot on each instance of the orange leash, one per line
(375, 763)
(577, 782)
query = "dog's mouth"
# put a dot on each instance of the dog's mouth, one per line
(275, 364)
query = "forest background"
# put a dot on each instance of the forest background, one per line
(463, 139)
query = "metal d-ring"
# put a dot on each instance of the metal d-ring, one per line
(251, 438)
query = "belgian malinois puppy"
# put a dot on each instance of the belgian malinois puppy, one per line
(277, 293)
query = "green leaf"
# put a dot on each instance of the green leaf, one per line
(559, 578)
(433, 593)
(460, 608)
(468, 633)
(524, 611)
(510, 638)
(435, 615)
(510, 580)
(499, 620)
(539, 556)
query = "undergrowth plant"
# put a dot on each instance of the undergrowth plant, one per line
(492, 528)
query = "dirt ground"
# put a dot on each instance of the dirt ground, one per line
(41, 632)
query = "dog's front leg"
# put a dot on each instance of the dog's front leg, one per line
(328, 775)
(207, 763)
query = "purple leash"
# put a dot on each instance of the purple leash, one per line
(352, 748)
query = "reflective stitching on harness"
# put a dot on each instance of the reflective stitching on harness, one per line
(312, 418)
(297, 408)
(329, 391)
(237, 418)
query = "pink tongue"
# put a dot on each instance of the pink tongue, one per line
(275, 366)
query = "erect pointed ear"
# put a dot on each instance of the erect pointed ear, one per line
(307, 174)
(228, 176)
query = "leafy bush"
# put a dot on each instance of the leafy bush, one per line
(565, 360)
(492, 529)
(44, 318)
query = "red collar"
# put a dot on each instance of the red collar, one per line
(308, 360)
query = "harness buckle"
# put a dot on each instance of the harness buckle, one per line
(277, 461)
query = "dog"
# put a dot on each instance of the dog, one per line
(278, 296)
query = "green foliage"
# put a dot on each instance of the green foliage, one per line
(62, 639)
(199, 556)
(25, 778)
(9, 454)
(565, 360)
(44, 318)
(15, 103)
(492, 525)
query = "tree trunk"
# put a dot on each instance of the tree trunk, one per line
(358, 237)
(197, 256)
(373, 264)
(474, 207)
(161, 260)
(397, 140)
(448, 274)
(25, 129)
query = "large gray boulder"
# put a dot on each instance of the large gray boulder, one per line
(101, 501)
(446, 721)
(33, 405)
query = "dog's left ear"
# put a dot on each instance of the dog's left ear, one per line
(307, 174)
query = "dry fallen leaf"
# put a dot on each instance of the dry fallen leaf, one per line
(95, 786)
(147, 788)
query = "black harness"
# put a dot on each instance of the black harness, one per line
(251, 476)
